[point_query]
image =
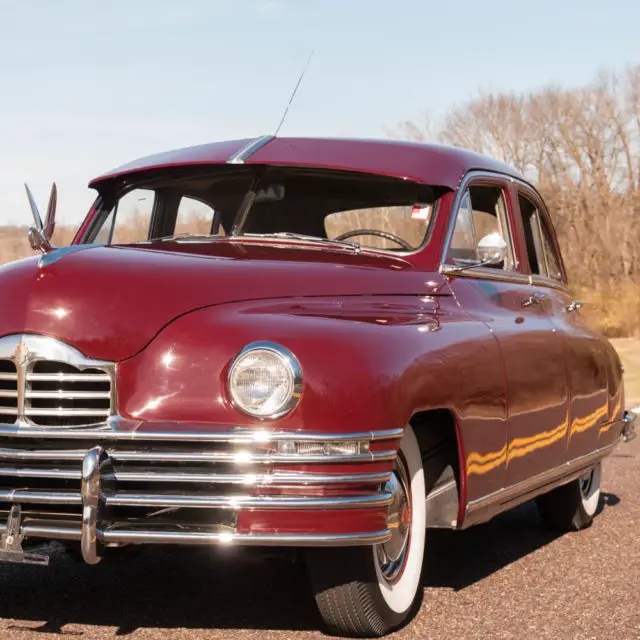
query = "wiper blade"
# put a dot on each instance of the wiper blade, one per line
(302, 236)
(183, 236)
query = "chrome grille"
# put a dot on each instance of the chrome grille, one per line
(59, 394)
(46, 383)
(189, 487)
(8, 392)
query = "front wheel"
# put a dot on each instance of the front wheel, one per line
(572, 506)
(367, 591)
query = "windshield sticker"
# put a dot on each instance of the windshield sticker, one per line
(420, 211)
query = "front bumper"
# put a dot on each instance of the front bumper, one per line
(155, 484)
(629, 425)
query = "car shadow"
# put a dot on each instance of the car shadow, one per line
(458, 559)
(232, 588)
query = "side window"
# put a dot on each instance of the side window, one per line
(542, 255)
(129, 220)
(482, 211)
(463, 240)
(196, 218)
(553, 264)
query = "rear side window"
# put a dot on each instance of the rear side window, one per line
(543, 259)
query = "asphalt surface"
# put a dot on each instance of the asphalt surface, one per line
(505, 579)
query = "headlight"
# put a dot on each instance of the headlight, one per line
(265, 380)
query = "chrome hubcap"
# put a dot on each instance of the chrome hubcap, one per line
(585, 483)
(391, 556)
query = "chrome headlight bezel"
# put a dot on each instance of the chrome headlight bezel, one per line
(294, 371)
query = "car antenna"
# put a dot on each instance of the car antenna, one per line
(293, 95)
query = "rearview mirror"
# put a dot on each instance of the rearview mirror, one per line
(492, 249)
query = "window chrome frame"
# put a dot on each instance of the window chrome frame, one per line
(543, 279)
(477, 178)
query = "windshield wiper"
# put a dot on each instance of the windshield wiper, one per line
(183, 236)
(301, 236)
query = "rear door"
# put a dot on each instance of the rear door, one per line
(586, 352)
(519, 313)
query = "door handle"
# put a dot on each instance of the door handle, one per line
(534, 298)
(574, 305)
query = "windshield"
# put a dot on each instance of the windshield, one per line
(292, 204)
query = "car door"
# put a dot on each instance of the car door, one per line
(586, 356)
(518, 312)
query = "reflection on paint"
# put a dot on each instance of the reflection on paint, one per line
(614, 414)
(582, 424)
(479, 464)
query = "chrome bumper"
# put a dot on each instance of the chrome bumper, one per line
(629, 427)
(106, 487)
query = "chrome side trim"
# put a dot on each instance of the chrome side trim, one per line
(235, 435)
(249, 149)
(141, 536)
(126, 499)
(483, 273)
(570, 470)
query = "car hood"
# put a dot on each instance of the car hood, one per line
(109, 302)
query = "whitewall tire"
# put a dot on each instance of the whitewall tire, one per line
(369, 591)
(572, 506)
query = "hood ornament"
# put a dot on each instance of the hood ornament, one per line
(40, 234)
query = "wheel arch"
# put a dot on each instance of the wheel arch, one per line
(443, 458)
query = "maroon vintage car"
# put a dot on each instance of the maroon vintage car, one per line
(320, 343)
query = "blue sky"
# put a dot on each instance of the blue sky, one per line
(86, 86)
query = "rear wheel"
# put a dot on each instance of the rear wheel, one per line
(572, 506)
(371, 591)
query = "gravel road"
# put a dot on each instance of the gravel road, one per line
(506, 579)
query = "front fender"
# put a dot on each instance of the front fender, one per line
(357, 358)
(369, 363)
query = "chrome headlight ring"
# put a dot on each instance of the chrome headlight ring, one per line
(264, 380)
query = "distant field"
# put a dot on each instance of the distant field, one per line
(629, 350)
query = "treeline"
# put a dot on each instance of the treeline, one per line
(581, 147)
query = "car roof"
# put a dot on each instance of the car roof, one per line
(426, 163)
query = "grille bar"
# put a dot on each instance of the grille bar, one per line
(239, 457)
(67, 395)
(124, 499)
(130, 534)
(206, 478)
(8, 394)
(8, 376)
(69, 377)
(67, 412)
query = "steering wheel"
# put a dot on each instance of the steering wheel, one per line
(375, 232)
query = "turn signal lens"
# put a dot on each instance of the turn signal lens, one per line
(329, 448)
